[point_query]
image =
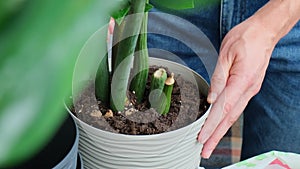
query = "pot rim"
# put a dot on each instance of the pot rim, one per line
(73, 150)
(139, 136)
(151, 135)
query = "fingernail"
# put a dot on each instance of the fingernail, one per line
(211, 97)
(202, 138)
(206, 155)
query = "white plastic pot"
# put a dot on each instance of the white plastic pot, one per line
(61, 152)
(174, 149)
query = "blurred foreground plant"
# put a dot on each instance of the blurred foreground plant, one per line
(39, 43)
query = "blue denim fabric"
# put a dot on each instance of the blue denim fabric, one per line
(206, 20)
(272, 117)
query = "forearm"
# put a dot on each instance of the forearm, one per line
(278, 17)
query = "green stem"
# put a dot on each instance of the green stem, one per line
(156, 87)
(118, 30)
(141, 63)
(165, 99)
(123, 60)
(158, 81)
(102, 81)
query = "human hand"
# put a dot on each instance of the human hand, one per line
(244, 56)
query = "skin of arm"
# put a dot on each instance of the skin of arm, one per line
(244, 57)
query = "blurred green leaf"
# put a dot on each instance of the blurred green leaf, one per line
(7, 8)
(178, 4)
(38, 49)
(183, 4)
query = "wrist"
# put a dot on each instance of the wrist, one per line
(278, 17)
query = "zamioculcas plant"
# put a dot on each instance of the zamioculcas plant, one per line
(130, 36)
(128, 70)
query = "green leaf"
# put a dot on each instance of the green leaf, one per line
(148, 7)
(140, 68)
(38, 49)
(124, 56)
(7, 8)
(119, 15)
(178, 4)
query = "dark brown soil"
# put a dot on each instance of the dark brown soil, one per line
(138, 119)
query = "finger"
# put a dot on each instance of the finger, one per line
(218, 80)
(221, 73)
(236, 87)
(223, 127)
(234, 103)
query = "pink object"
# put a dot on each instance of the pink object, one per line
(279, 163)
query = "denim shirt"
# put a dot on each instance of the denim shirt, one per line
(271, 118)
(216, 20)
